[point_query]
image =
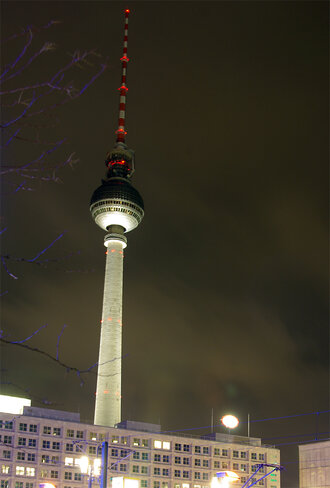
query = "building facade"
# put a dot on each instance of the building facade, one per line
(314, 465)
(46, 446)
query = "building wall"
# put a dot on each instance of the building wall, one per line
(314, 465)
(36, 450)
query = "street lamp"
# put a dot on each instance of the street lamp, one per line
(92, 470)
(230, 421)
(223, 479)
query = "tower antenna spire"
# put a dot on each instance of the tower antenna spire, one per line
(120, 132)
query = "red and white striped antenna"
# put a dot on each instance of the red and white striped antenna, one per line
(120, 132)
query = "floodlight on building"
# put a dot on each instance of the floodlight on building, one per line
(12, 404)
(84, 464)
(230, 421)
(46, 485)
(121, 482)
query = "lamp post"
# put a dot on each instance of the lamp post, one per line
(224, 479)
(92, 470)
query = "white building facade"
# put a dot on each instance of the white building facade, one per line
(46, 446)
(314, 465)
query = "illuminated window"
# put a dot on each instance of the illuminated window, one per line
(32, 442)
(101, 437)
(164, 484)
(136, 442)
(166, 472)
(21, 456)
(166, 458)
(156, 471)
(177, 473)
(80, 434)
(197, 462)
(30, 471)
(145, 442)
(47, 429)
(157, 444)
(186, 485)
(67, 475)
(216, 451)
(177, 460)
(23, 427)
(235, 454)
(205, 463)
(69, 447)
(135, 468)
(56, 446)
(145, 456)
(68, 461)
(124, 440)
(115, 439)
(205, 450)
(20, 470)
(166, 445)
(70, 433)
(217, 464)
(197, 449)
(177, 447)
(6, 454)
(45, 458)
(5, 469)
(56, 431)
(54, 474)
(43, 473)
(224, 452)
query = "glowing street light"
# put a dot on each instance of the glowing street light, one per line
(230, 421)
(223, 479)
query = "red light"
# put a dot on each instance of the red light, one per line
(106, 391)
(113, 250)
(127, 11)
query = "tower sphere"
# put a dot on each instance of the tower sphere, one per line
(117, 202)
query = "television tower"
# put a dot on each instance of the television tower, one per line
(117, 207)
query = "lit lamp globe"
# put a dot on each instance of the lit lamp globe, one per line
(230, 421)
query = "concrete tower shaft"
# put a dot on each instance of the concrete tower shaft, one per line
(108, 390)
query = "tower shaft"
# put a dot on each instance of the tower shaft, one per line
(108, 389)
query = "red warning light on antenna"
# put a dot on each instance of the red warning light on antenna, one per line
(127, 11)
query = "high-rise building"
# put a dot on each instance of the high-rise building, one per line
(117, 207)
(44, 448)
(314, 465)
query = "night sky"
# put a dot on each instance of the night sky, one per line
(226, 279)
